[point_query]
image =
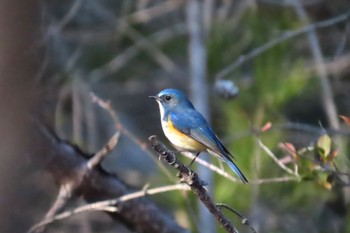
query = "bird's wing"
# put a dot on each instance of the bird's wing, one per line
(193, 124)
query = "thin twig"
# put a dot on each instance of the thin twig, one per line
(343, 41)
(290, 126)
(72, 60)
(287, 3)
(62, 198)
(211, 167)
(145, 15)
(108, 205)
(285, 36)
(307, 128)
(98, 157)
(56, 28)
(274, 158)
(70, 14)
(336, 66)
(230, 177)
(106, 105)
(244, 219)
(124, 57)
(161, 58)
(43, 66)
(274, 180)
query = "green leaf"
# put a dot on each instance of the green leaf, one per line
(324, 144)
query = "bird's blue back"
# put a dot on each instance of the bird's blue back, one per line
(186, 119)
(189, 121)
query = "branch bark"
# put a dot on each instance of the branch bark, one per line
(196, 184)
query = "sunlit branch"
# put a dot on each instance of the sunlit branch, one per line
(108, 205)
(275, 159)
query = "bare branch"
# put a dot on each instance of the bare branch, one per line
(274, 180)
(312, 129)
(287, 3)
(148, 14)
(162, 59)
(56, 28)
(124, 57)
(212, 167)
(244, 219)
(63, 197)
(232, 178)
(70, 14)
(343, 41)
(337, 66)
(291, 126)
(285, 36)
(106, 105)
(98, 157)
(108, 205)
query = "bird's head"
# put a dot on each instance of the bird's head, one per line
(169, 99)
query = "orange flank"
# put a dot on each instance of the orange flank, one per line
(180, 139)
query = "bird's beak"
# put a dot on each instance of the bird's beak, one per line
(154, 97)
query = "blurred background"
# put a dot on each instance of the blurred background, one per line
(243, 63)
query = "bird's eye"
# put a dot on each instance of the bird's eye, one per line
(168, 97)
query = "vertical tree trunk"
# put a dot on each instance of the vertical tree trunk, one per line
(18, 63)
(199, 90)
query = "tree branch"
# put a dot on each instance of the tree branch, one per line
(191, 179)
(98, 157)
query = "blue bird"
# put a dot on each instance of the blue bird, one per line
(187, 129)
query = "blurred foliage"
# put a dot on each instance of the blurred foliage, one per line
(276, 78)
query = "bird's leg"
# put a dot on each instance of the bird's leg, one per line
(189, 166)
(194, 159)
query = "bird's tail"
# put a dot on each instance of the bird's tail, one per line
(234, 167)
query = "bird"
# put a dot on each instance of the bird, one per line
(188, 130)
